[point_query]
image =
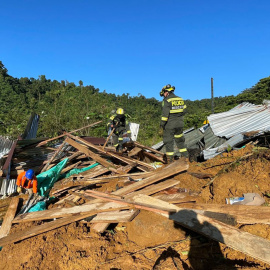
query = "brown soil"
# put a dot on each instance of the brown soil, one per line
(151, 241)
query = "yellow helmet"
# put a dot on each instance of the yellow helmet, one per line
(166, 88)
(120, 111)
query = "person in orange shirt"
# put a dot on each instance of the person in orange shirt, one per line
(27, 181)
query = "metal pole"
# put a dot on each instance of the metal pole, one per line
(212, 94)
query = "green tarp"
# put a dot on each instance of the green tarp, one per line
(47, 179)
(77, 171)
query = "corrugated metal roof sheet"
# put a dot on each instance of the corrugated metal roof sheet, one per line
(5, 146)
(243, 118)
(32, 127)
(212, 152)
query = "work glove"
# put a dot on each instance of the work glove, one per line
(19, 189)
(160, 132)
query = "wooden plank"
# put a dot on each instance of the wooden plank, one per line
(91, 154)
(129, 160)
(244, 214)
(62, 135)
(10, 214)
(139, 175)
(127, 168)
(15, 237)
(115, 216)
(182, 197)
(68, 168)
(134, 151)
(89, 174)
(254, 246)
(170, 170)
(76, 155)
(152, 156)
(100, 227)
(107, 197)
(63, 212)
(149, 148)
(59, 192)
(152, 189)
(86, 143)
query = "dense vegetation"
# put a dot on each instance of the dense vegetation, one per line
(64, 105)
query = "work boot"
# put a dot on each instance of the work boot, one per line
(119, 149)
(170, 160)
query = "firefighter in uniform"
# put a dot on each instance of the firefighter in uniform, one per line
(172, 122)
(120, 124)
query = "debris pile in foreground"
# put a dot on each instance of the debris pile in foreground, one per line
(133, 211)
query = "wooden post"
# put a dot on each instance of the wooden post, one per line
(109, 136)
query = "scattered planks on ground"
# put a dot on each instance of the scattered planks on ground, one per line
(254, 246)
(243, 214)
(33, 231)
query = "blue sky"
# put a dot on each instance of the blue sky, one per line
(137, 47)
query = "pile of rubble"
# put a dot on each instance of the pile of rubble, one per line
(92, 188)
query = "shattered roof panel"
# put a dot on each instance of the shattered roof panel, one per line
(211, 140)
(5, 146)
(212, 152)
(32, 127)
(245, 117)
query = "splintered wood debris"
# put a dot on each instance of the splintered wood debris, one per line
(121, 184)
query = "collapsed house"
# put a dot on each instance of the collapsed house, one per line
(82, 180)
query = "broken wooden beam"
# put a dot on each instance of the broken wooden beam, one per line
(107, 197)
(149, 148)
(62, 135)
(91, 154)
(244, 214)
(152, 189)
(10, 214)
(115, 216)
(152, 156)
(252, 245)
(64, 212)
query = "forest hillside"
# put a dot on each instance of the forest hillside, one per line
(63, 105)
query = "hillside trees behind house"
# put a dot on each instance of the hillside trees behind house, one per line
(66, 106)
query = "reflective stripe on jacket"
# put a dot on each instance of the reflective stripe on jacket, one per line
(122, 124)
(172, 107)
